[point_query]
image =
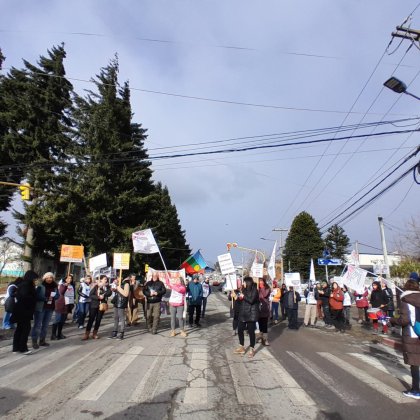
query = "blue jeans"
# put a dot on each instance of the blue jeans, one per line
(83, 310)
(41, 321)
(275, 310)
(59, 318)
(76, 312)
(6, 321)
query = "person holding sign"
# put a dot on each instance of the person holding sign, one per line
(154, 290)
(195, 298)
(336, 307)
(379, 301)
(63, 304)
(176, 304)
(292, 299)
(120, 302)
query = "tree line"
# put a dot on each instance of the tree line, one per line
(85, 156)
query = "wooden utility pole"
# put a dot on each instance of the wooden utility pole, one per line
(407, 33)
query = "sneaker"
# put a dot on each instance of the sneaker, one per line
(184, 333)
(239, 350)
(81, 327)
(412, 394)
(198, 325)
(234, 333)
(114, 335)
(173, 333)
(27, 353)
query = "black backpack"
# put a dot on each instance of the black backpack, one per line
(10, 303)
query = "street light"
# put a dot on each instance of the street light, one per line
(398, 86)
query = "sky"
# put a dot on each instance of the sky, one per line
(268, 68)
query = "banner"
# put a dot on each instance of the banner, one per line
(257, 270)
(226, 264)
(71, 253)
(144, 242)
(312, 272)
(292, 279)
(121, 261)
(110, 272)
(354, 278)
(95, 263)
(339, 281)
(380, 269)
(174, 275)
(271, 270)
(231, 282)
(354, 258)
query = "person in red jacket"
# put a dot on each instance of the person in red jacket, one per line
(362, 305)
(336, 307)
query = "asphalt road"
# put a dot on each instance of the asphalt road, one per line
(309, 374)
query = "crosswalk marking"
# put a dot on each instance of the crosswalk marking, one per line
(245, 390)
(372, 382)
(196, 393)
(99, 386)
(146, 389)
(22, 372)
(383, 367)
(297, 395)
(346, 396)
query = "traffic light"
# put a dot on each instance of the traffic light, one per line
(25, 192)
(146, 268)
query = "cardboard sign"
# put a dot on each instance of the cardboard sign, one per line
(257, 270)
(72, 253)
(121, 261)
(226, 264)
(292, 279)
(231, 282)
(95, 263)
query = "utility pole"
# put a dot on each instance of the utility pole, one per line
(407, 33)
(381, 228)
(281, 230)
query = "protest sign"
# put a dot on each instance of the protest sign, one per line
(231, 282)
(71, 253)
(226, 264)
(175, 276)
(95, 263)
(292, 279)
(144, 242)
(121, 261)
(339, 281)
(257, 270)
(354, 278)
(110, 272)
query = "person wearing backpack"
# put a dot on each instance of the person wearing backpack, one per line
(10, 303)
(409, 316)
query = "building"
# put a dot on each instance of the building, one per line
(374, 263)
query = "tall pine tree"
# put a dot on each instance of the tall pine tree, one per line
(303, 242)
(337, 242)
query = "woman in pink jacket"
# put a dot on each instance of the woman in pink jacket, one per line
(176, 303)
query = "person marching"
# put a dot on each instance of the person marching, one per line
(336, 307)
(176, 304)
(311, 295)
(234, 309)
(264, 297)
(195, 297)
(275, 302)
(46, 292)
(378, 299)
(346, 306)
(120, 302)
(362, 305)
(248, 315)
(206, 293)
(133, 303)
(292, 299)
(283, 291)
(84, 300)
(154, 290)
(63, 305)
(99, 295)
(409, 304)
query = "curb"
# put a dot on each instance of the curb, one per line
(396, 344)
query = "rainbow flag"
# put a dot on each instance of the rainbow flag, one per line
(194, 264)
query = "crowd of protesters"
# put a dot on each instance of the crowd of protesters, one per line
(34, 306)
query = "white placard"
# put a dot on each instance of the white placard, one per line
(144, 242)
(95, 263)
(354, 278)
(257, 270)
(226, 264)
(292, 279)
(339, 280)
(231, 283)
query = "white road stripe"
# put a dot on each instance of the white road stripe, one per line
(146, 389)
(242, 382)
(196, 392)
(369, 380)
(384, 367)
(62, 372)
(37, 365)
(346, 396)
(99, 386)
(297, 395)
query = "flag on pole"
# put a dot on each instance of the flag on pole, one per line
(354, 258)
(312, 272)
(272, 264)
(194, 264)
(144, 242)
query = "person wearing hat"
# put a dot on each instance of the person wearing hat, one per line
(414, 276)
(195, 298)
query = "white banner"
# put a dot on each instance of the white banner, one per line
(226, 264)
(354, 278)
(257, 270)
(312, 272)
(144, 242)
(380, 269)
(272, 264)
(292, 279)
(95, 263)
(175, 276)
(339, 281)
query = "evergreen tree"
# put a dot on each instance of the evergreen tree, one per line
(36, 101)
(337, 242)
(303, 242)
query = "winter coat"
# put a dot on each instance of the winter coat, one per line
(40, 298)
(49, 302)
(361, 299)
(249, 306)
(410, 341)
(236, 304)
(195, 293)
(276, 295)
(84, 292)
(325, 296)
(296, 300)
(206, 289)
(336, 299)
(94, 299)
(156, 286)
(283, 292)
(311, 299)
(378, 298)
(25, 302)
(60, 303)
(264, 295)
(120, 301)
